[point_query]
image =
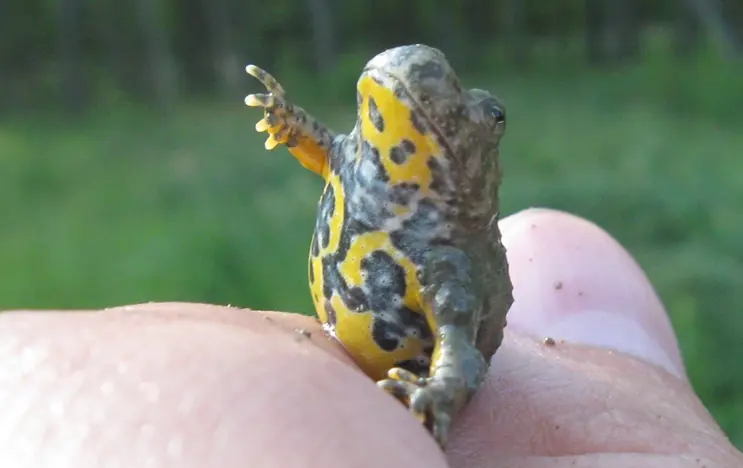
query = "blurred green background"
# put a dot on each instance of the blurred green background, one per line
(130, 171)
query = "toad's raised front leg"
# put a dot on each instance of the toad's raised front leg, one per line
(307, 139)
(451, 303)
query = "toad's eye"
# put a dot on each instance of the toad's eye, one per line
(495, 113)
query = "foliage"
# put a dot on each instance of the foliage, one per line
(73, 51)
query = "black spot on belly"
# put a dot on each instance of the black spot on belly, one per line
(418, 367)
(390, 330)
(314, 249)
(330, 312)
(352, 227)
(374, 157)
(416, 118)
(385, 280)
(402, 193)
(355, 299)
(386, 335)
(416, 322)
(327, 210)
(375, 116)
(332, 279)
(408, 146)
(398, 155)
(312, 274)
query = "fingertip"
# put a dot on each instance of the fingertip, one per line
(573, 281)
(196, 385)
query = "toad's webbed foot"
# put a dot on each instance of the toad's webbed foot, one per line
(458, 367)
(437, 399)
(306, 138)
(420, 395)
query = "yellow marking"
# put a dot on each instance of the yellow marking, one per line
(400, 210)
(368, 242)
(311, 155)
(335, 224)
(354, 330)
(336, 221)
(397, 126)
(316, 287)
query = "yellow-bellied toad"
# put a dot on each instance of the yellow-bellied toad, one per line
(406, 268)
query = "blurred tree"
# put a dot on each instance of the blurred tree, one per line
(593, 31)
(512, 14)
(150, 16)
(73, 77)
(224, 57)
(712, 15)
(323, 37)
(107, 28)
(611, 31)
(167, 47)
(686, 30)
(623, 30)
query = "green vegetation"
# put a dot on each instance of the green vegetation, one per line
(128, 206)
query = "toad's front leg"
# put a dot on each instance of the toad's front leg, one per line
(457, 367)
(307, 139)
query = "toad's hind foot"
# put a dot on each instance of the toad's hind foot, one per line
(427, 401)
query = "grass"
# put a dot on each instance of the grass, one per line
(126, 206)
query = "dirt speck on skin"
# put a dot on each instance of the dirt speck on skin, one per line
(558, 285)
(303, 332)
(549, 341)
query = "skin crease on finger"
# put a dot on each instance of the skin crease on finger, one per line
(197, 385)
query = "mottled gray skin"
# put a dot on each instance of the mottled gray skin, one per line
(449, 232)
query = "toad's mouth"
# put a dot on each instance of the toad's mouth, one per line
(397, 85)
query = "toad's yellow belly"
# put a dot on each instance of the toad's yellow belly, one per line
(366, 292)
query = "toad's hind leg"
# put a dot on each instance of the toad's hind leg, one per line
(307, 139)
(457, 366)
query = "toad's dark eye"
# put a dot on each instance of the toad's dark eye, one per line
(497, 114)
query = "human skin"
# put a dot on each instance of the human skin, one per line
(194, 385)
